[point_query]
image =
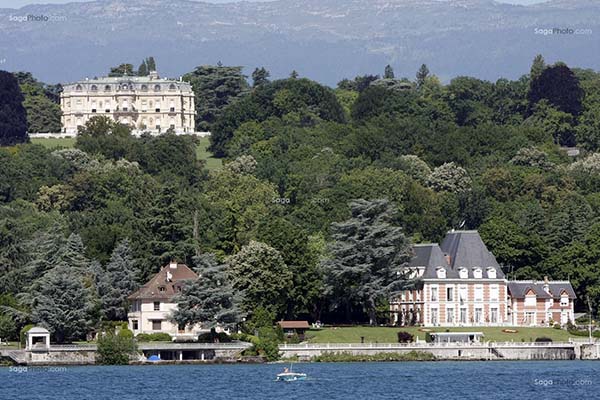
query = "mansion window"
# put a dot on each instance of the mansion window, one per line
(463, 294)
(564, 301)
(494, 290)
(463, 315)
(478, 315)
(107, 88)
(434, 294)
(441, 273)
(450, 315)
(78, 88)
(93, 110)
(157, 88)
(449, 294)
(477, 273)
(479, 293)
(107, 110)
(463, 273)
(172, 87)
(530, 301)
(134, 324)
(494, 315)
(157, 306)
(156, 325)
(529, 318)
(144, 88)
(434, 316)
(491, 273)
(157, 110)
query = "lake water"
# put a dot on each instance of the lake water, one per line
(403, 380)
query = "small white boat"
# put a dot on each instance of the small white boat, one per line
(291, 376)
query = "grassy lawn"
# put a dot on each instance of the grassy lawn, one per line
(203, 154)
(55, 142)
(388, 335)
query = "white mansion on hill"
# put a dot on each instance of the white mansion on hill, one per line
(146, 103)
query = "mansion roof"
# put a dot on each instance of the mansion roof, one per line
(165, 284)
(460, 250)
(519, 289)
(115, 83)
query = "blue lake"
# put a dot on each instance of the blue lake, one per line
(403, 380)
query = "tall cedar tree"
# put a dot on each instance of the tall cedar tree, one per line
(116, 282)
(368, 257)
(210, 299)
(13, 117)
(559, 85)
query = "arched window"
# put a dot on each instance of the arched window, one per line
(107, 88)
(172, 86)
(94, 88)
(78, 88)
(157, 88)
(144, 88)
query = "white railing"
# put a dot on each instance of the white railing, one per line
(344, 346)
(74, 347)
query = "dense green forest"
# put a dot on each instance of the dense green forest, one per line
(321, 193)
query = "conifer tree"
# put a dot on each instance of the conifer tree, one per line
(210, 299)
(422, 75)
(62, 304)
(389, 72)
(368, 256)
(13, 117)
(116, 282)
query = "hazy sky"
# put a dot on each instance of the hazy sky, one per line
(21, 3)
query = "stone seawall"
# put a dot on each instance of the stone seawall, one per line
(447, 351)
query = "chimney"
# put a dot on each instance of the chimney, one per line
(546, 285)
(448, 259)
(173, 265)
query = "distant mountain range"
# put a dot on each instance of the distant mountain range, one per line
(325, 40)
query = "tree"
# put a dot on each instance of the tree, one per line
(537, 67)
(294, 74)
(532, 157)
(368, 257)
(62, 304)
(260, 76)
(215, 88)
(422, 75)
(209, 300)
(13, 116)
(41, 104)
(245, 165)
(116, 282)
(389, 72)
(151, 64)
(449, 177)
(259, 272)
(115, 349)
(143, 69)
(122, 70)
(560, 87)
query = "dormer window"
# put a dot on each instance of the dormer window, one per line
(477, 274)
(94, 88)
(107, 88)
(491, 273)
(463, 273)
(157, 88)
(161, 289)
(441, 272)
(172, 87)
(78, 88)
(144, 88)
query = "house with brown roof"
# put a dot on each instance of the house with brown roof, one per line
(291, 328)
(152, 304)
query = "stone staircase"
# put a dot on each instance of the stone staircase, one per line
(18, 356)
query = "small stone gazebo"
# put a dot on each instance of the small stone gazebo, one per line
(38, 338)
